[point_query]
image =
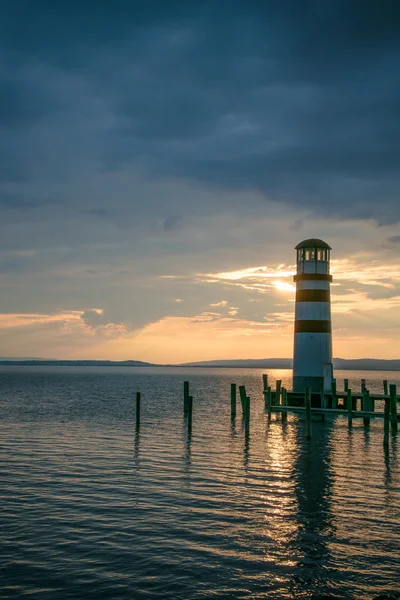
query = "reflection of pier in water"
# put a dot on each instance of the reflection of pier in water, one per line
(313, 489)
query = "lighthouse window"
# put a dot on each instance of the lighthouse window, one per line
(300, 254)
(321, 254)
(310, 254)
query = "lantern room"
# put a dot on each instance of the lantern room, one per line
(313, 256)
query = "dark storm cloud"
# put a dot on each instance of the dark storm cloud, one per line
(297, 99)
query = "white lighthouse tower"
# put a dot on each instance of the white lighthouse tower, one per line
(312, 360)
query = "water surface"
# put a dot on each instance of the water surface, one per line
(92, 508)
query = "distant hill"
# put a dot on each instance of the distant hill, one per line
(362, 364)
(358, 364)
(261, 363)
(75, 363)
(367, 364)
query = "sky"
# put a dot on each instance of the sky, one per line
(160, 160)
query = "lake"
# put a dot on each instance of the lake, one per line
(92, 508)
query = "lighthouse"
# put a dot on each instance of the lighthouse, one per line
(312, 359)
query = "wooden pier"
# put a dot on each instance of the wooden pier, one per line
(308, 404)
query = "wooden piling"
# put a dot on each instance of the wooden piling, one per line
(247, 414)
(393, 406)
(284, 403)
(233, 400)
(365, 405)
(334, 396)
(349, 408)
(242, 394)
(278, 392)
(386, 423)
(363, 385)
(185, 396)
(346, 385)
(265, 381)
(308, 412)
(137, 410)
(265, 390)
(385, 387)
(269, 402)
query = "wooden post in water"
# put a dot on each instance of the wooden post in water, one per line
(278, 392)
(334, 397)
(363, 385)
(346, 385)
(393, 406)
(385, 387)
(190, 413)
(366, 405)
(265, 381)
(247, 414)
(269, 402)
(349, 408)
(386, 420)
(233, 400)
(284, 403)
(265, 389)
(242, 394)
(371, 402)
(185, 396)
(308, 412)
(137, 410)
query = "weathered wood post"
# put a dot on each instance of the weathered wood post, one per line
(190, 413)
(363, 385)
(265, 389)
(265, 381)
(393, 406)
(137, 410)
(371, 402)
(386, 420)
(247, 414)
(242, 394)
(349, 408)
(334, 396)
(278, 392)
(346, 385)
(233, 400)
(385, 387)
(308, 412)
(365, 405)
(185, 396)
(284, 404)
(269, 402)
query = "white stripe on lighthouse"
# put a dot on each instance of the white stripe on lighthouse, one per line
(308, 311)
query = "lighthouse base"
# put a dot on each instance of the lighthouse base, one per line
(300, 383)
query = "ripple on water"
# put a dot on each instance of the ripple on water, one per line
(93, 508)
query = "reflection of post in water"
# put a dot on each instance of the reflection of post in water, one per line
(388, 469)
(233, 427)
(187, 453)
(314, 519)
(367, 438)
(246, 449)
(136, 446)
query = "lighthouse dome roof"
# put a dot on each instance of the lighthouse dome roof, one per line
(313, 243)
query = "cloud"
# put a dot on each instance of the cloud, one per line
(299, 103)
(175, 146)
